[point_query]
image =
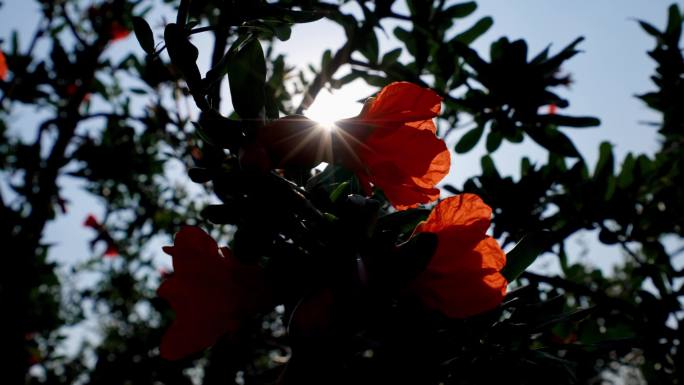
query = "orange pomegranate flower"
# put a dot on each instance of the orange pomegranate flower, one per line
(210, 291)
(401, 153)
(391, 144)
(463, 277)
(4, 71)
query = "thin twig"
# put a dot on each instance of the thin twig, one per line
(72, 26)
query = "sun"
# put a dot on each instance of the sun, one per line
(329, 108)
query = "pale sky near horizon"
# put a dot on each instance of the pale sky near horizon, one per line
(613, 67)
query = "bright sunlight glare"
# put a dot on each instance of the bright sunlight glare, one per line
(329, 108)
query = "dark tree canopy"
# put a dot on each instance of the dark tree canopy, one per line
(345, 274)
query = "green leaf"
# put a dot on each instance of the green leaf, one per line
(494, 139)
(674, 23)
(553, 63)
(402, 222)
(478, 29)
(652, 99)
(458, 11)
(221, 214)
(279, 13)
(541, 56)
(143, 33)
(339, 190)
(346, 79)
(524, 253)
(199, 175)
(626, 177)
(569, 121)
(247, 77)
(407, 38)
(300, 16)
(182, 53)
(59, 57)
(370, 48)
(390, 57)
(553, 140)
(606, 162)
(375, 80)
(488, 166)
(330, 176)
(220, 131)
(282, 31)
(650, 29)
(469, 140)
(326, 59)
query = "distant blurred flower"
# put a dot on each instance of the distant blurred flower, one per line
(118, 32)
(463, 277)
(112, 251)
(92, 222)
(4, 71)
(210, 291)
(553, 109)
(72, 89)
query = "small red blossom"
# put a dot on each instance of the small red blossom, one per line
(463, 277)
(553, 109)
(4, 71)
(210, 291)
(92, 222)
(111, 251)
(391, 144)
(118, 32)
(196, 153)
(71, 89)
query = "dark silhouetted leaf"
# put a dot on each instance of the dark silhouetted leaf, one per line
(569, 121)
(143, 33)
(553, 140)
(478, 29)
(524, 253)
(469, 140)
(247, 76)
(460, 10)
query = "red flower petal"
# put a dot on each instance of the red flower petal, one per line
(402, 155)
(210, 291)
(463, 277)
(403, 102)
(406, 163)
(4, 71)
(457, 212)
